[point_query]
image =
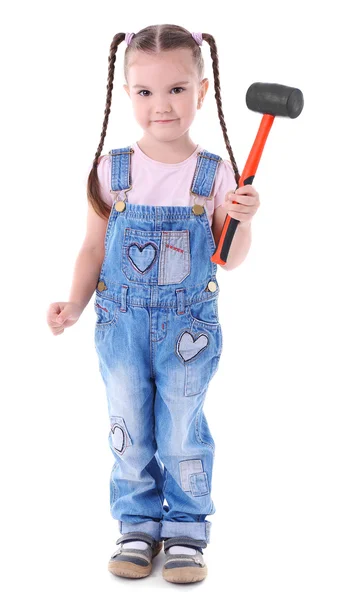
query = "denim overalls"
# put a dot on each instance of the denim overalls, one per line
(159, 341)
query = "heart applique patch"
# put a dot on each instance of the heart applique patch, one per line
(118, 438)
(142, 257)
(188, 347)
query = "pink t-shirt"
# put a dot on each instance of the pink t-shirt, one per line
(165, 184)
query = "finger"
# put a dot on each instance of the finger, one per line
(57, 329)
(54, 323)
(238, 208)
(58, 332)
(240, 199)
(246, 189)
(53, 310)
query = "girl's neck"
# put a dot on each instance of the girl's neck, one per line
(174, 151)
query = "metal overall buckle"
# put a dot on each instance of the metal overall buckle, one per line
(120, 205)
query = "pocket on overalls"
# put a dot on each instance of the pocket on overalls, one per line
(174, 265)
(199, 348)
(140, 254)
(199, 374)
(156, 257)
(106, 310)
(205, 312)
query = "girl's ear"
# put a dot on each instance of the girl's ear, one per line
(204, 84)
(127, 89)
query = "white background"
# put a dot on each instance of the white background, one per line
(276, 407)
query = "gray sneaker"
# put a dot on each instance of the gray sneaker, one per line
(184, 568)
(131, 562)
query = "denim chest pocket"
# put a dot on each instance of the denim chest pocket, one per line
(156, 257)
(106, 310)
(174, 264)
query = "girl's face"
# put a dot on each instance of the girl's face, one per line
(165, 87)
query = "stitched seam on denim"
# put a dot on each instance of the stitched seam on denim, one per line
(129, 231)
(106, 239)
(120, 169)
(205, 179)
(203, 296)
(107, 324)
(165, 305)
(197, 170)
(124, 292)
(199, 415)
(204, 221)
(162, 258)
(181, 304)
(151, 347)
(133, 214)
(209, 167)
(207, 323)
(165, 484)
(203, 323)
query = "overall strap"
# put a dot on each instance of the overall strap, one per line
(120, 169)
(205, 173)
(203, 180)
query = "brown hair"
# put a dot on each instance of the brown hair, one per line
(154, 39)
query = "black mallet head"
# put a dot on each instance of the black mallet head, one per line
(275, 99)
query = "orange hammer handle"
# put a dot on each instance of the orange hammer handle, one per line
(230, 225)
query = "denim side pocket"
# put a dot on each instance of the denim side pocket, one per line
(205, 312)
(106, 310)
(200, 370)
(174, 265)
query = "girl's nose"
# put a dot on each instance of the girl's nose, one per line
(163, 106)
(163, 113)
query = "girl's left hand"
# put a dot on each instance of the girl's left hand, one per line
(249, 202)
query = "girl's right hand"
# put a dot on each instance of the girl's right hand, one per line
(61, 315)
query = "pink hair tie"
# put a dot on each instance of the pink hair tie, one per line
(198, 38)
(128, 38)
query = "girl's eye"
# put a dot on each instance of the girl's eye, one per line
(175, 88)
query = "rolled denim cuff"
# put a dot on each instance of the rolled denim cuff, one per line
(151, 527)
(198, 531)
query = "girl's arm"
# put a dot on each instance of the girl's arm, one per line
(89, 260)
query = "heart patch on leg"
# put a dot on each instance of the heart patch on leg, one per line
(188, 347)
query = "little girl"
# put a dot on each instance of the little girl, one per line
(156, 212)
